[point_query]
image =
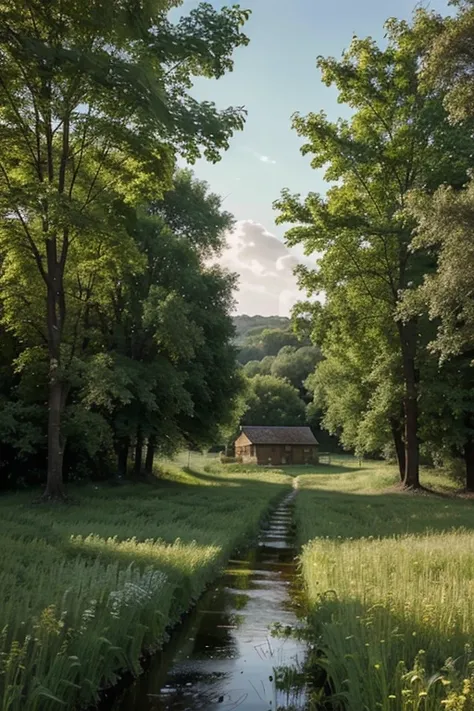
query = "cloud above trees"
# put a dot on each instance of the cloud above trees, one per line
(267, 285)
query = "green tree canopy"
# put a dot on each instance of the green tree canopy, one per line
(397, 139)
(95, 106)
(296, 364)
(272, 401)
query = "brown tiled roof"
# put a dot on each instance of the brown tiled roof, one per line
(280, 435)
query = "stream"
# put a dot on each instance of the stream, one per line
(223, 656)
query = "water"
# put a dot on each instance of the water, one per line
(223, 657)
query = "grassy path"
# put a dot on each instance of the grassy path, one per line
(85, 588)
(389, 579)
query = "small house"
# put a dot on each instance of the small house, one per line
(276, 445)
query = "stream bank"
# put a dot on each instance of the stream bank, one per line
(223, 656)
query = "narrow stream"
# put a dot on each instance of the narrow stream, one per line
(223, 656)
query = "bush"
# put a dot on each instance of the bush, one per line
(224, 459)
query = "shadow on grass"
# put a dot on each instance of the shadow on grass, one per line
(337, 514)
(285, 470)
(334, 513)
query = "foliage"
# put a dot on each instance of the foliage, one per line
(294, 365)
(267, 343)
(247, 326)
(95, 108)
(360, 398)
(274, 402)
(397, 139)
(445, 226)
(150, 360)
(101, 582)
(449, 63)
(387, 634)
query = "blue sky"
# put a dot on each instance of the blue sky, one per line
(274, 77)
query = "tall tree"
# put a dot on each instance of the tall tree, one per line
(170, 373)
(95, 103)
(398, 138)
(445, 228)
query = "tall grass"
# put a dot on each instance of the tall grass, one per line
(389, 580)
(85, 589)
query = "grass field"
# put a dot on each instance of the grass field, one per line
(85, 588)
(389, 579)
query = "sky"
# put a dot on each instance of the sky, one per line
(274, 77)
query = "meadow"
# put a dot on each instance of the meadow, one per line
(87, 587)
(389, 586)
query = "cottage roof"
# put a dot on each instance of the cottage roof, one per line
(280, 435)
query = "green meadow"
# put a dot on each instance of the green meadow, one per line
(86, 588)
(387, 579)
(389, 585)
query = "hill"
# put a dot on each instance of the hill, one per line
(252, 325)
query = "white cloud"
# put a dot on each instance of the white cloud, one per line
(259, 156)
(266, 159)
(267, 285)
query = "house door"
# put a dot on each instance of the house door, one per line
(288, 455)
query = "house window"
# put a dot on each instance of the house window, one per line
(288, 448)
(306, 451)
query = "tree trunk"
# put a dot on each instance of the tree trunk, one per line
(138, 454)
(150, 455)
(397, 434)
(469, 460)
(122, 457)
(55, 485)
(55, 313)
(408, 341)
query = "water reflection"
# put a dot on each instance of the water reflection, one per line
(224, 656)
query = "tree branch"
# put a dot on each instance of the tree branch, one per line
(31, 242)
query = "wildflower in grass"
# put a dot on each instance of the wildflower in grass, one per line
(88, 615)
(137, 594)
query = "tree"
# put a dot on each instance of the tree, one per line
(447, 423)
(445, 222)
(397, 139)
(259, 367)
(272, 340)
(295, 364)
(95, 104)
(358, 383)
(273, 402)
(450, 61)
(249, 353)
(445, 227)
(170, 375)
(248, 326)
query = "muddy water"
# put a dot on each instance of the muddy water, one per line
(223, 656)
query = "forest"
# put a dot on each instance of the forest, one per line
(111, 352)
(109, 341)
(126, 373)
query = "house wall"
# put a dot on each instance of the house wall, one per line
(245, 450)
(247, 453)
(274, 453)
(241, 441)
(281, 454)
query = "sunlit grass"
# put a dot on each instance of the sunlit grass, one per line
(85, 588)
(389, 579)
